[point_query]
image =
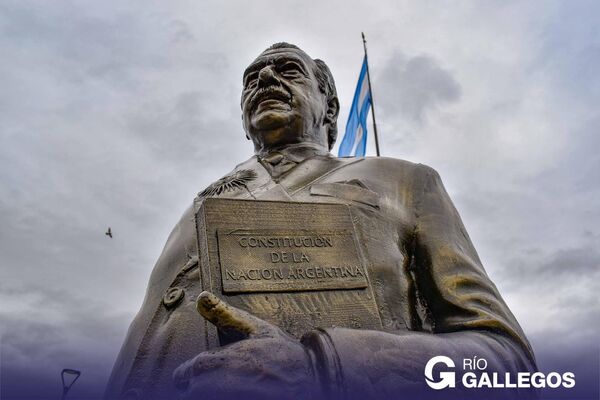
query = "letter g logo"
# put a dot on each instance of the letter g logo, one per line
(447, 379)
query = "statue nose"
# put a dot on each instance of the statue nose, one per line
(267, 76)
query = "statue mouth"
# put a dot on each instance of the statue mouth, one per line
(270, 97)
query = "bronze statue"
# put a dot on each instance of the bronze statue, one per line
(420, 287)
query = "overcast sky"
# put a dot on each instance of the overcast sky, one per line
(118, 114)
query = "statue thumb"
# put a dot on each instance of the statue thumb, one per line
(233, 321)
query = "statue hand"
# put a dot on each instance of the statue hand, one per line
(268, 363)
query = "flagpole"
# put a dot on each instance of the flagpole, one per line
(371, 95)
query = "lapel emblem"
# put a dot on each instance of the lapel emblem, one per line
(232, 182)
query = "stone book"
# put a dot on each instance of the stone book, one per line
(296, 265)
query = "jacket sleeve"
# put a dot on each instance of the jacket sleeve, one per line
(464, 314)
(452, 284)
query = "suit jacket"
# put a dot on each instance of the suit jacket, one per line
(426, 276)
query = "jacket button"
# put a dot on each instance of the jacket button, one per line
(173, 297)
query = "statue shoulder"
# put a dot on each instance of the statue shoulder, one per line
(394, 169)
(399, 164)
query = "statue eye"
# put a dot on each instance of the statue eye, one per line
(291, 70)
(250, 81)
(292, 73)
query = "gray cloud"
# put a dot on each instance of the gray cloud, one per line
(565, 264)
(185, 129)
(410, 87)
(567, 293)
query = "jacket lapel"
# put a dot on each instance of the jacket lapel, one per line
(313, 170)
(251, 180)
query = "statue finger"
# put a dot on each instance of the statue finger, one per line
(231, 320)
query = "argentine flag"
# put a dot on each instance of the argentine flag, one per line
(355, 138)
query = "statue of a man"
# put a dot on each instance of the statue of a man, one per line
(432, 293)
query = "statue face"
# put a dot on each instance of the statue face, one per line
(281, 101)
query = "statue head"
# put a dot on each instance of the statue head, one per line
(289, 98)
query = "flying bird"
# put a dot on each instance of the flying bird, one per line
(109, 233)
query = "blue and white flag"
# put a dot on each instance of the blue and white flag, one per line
(355, 138)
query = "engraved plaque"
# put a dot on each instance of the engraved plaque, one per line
(297, 265)
(266, 260)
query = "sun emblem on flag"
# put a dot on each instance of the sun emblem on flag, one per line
(229, 183)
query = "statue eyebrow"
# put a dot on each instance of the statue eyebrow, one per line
(281, 60)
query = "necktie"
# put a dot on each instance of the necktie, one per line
(277, 164)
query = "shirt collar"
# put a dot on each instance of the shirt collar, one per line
(299, 152)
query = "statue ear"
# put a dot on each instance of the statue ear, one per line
(333, 109)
